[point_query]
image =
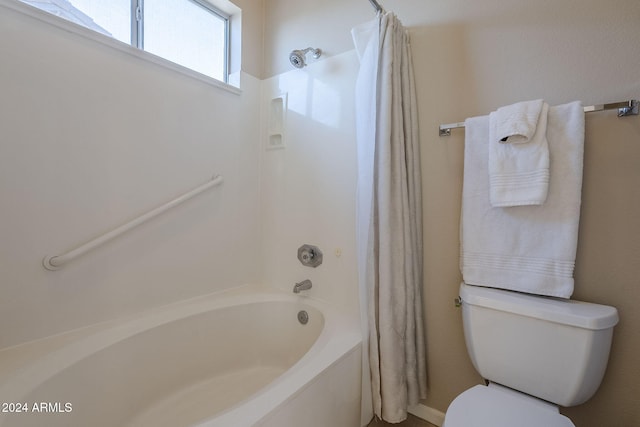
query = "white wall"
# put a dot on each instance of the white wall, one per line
(93, 137)
(308, 188)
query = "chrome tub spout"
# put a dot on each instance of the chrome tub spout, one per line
(302, 286)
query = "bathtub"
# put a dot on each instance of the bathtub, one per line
(231, 359)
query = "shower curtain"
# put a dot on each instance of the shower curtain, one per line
(389, 215)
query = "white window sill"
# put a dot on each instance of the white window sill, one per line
(112, 43)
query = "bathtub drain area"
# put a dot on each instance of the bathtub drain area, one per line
(303, 317)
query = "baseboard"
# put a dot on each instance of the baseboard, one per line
(428, 414)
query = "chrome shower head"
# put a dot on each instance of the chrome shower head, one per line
(297, 57)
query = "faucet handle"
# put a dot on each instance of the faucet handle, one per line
(309, 255)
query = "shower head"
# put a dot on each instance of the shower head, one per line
(297, 57)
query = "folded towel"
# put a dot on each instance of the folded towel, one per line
(519, 167)
(527, 248)
(517, 123)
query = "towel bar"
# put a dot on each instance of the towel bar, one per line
(625, 108)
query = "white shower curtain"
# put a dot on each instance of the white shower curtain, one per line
(389, 215)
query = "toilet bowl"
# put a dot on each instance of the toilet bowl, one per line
(537, 353)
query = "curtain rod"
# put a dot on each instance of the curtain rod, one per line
(625, 108)
(376, 6)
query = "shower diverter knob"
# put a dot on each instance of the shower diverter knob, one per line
(310, 255)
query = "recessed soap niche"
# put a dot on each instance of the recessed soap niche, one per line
(277, 117)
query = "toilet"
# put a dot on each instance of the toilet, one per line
(536, 354)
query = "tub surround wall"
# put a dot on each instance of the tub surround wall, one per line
(308, 187)
(93, 137)
(469, 59)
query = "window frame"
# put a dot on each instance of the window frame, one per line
(137, 28)
(132, 47)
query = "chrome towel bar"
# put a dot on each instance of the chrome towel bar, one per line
(57, 261)
(625, 108)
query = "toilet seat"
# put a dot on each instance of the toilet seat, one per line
(498, 406)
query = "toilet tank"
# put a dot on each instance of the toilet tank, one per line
(550, 348)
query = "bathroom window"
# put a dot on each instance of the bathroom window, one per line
(192, 33)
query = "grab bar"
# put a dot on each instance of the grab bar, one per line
(56, 261)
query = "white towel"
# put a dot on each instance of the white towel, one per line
(517, 123)
(526, 248)
(519, 154)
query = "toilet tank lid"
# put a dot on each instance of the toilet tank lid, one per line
(567, 312)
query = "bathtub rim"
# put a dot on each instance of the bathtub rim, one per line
(31, 364)
(336, 342)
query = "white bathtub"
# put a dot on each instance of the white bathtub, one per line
(233, 359)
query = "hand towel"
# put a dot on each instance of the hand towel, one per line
(519, 155)
(517, 123)
(525, 248)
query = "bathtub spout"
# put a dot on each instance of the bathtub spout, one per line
(302, 286)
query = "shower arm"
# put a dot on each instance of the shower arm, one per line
(297, 57)
(316, 52)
